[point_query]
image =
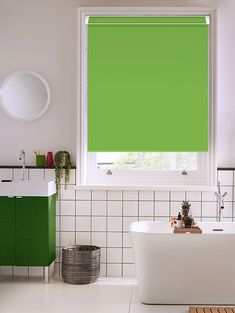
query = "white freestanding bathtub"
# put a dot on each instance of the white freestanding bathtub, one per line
(185, 268)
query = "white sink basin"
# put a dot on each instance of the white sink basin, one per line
(27, 188)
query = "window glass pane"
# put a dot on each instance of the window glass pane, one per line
(147, 161)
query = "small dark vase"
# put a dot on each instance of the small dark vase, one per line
(188, 221)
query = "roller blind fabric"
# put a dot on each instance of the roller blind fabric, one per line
(147, 84)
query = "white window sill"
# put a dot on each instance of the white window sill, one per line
(146, 187)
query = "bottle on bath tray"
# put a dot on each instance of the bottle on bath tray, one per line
(179, 221)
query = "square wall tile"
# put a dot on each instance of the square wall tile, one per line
(146, 208)
(127, 241)
(17, 174)
(102, 270)
(114, 255)
(162, 208)
(196, 209)
(146, 218)
(6, 173)
(130, 195)
(6, 270)
(68, 193)
(83, 194)
(114, 223)
(72, 178)
(114, 195)
(225, 177)
(57, 222)
(178, 195)
(129, 270)
(229, 190)
(57, 238)
(58, 255)
(194, 196)
(98, 207)
(83, 207)
(20, 271)
(114, 239)
(162, 218)
(146, 195)
(57, 204)
(67, 238)
(103, 255)
(162, 195)
(36, 174)
(127, 222)
(83, 238)
(209, 196)
(128, 256)
(83, 223)
(130, 208)
(175, 208)
(49, 174)
(208, 219)
(98, 239)
(209, 209)
(114, 270)
(35, 271)
(228, 210)
(98, 223)
(115, 208)
(67, 223)
(67, 207)
(99, 194)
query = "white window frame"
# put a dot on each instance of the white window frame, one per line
(87, 174)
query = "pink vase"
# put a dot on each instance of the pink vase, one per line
(50, 160)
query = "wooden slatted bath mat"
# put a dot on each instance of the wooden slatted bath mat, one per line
(219, 309)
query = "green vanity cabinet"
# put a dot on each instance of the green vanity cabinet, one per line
(7, 231)
(28, 229)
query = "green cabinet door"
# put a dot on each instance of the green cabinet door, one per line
(35, 231)
(7, 231)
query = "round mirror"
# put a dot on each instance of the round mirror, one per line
(25, 95)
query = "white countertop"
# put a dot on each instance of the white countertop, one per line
(27, 188)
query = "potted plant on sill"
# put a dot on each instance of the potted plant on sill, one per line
(186, 216)
(62, 168)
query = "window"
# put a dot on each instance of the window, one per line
(143, 167)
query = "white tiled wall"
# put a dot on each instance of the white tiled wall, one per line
(103, 217)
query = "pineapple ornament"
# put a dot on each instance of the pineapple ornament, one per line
(186, 214)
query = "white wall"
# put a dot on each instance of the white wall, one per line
(40, 35)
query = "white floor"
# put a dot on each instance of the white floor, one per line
(20, 295)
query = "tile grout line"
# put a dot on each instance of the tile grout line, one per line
(106, 235)
(233, 199)
(91, 237)
(122, 237)
(75, 207)
(154, 205)
(169, 206)
(201, 204)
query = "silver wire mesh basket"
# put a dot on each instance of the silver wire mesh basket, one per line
(80, 264)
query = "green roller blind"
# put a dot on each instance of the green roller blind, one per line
(147, 84)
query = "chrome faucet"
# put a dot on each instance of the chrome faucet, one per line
(22, 158)
(221, 200)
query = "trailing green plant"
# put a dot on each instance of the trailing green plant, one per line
(62, 168)
(186, 205)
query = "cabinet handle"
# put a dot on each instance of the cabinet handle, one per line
(10, 197)
(19, 197)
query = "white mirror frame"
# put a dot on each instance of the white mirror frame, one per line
(3, 90)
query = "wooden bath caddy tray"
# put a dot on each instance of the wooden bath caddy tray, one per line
(193, 230)
(220, 309)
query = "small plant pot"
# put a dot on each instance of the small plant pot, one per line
(40, 160)
(188, 221)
